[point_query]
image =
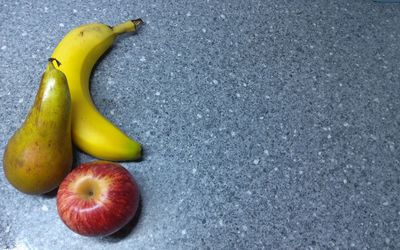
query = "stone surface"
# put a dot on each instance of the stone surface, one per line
(265, 124)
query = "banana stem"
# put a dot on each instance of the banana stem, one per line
(129, 26)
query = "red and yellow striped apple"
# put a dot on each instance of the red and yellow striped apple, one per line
(97, 198)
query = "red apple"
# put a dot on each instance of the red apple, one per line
(97, 198)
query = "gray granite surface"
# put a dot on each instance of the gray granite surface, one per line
(265, 124)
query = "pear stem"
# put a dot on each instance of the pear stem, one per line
(51, 59)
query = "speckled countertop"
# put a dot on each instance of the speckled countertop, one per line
(265, 124)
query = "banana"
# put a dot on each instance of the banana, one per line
(78, 51)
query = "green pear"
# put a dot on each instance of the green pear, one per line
(39, 155)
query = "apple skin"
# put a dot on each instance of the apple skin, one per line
(97, 198)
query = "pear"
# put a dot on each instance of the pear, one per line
(39, 155)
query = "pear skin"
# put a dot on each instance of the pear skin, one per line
(39, 155)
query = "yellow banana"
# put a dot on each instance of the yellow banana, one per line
(78, 51)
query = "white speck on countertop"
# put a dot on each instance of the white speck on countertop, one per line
(3, 47)
(256, 161)
(21, 245)
(329, 136)
(112, 111)
(199, 116)
(61, 25)
(158, 93)
(21, 100)
(203, 30)
(386, 203)
(248, 192)
(189, 14)
(45, 208)
(237, 95)
(345, 124)
(46, 9)
(391, 146)
(24, 33)
(233, 133)
(142, 59)
(194, 171)
(110, 81)
(266, 152)
(276, 169)
(183, 231)
(75, 11)
(345, 181)
(215, 81)
(221, 222)
(222, 16)
(244, 227)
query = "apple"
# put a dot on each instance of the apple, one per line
(97, 198)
